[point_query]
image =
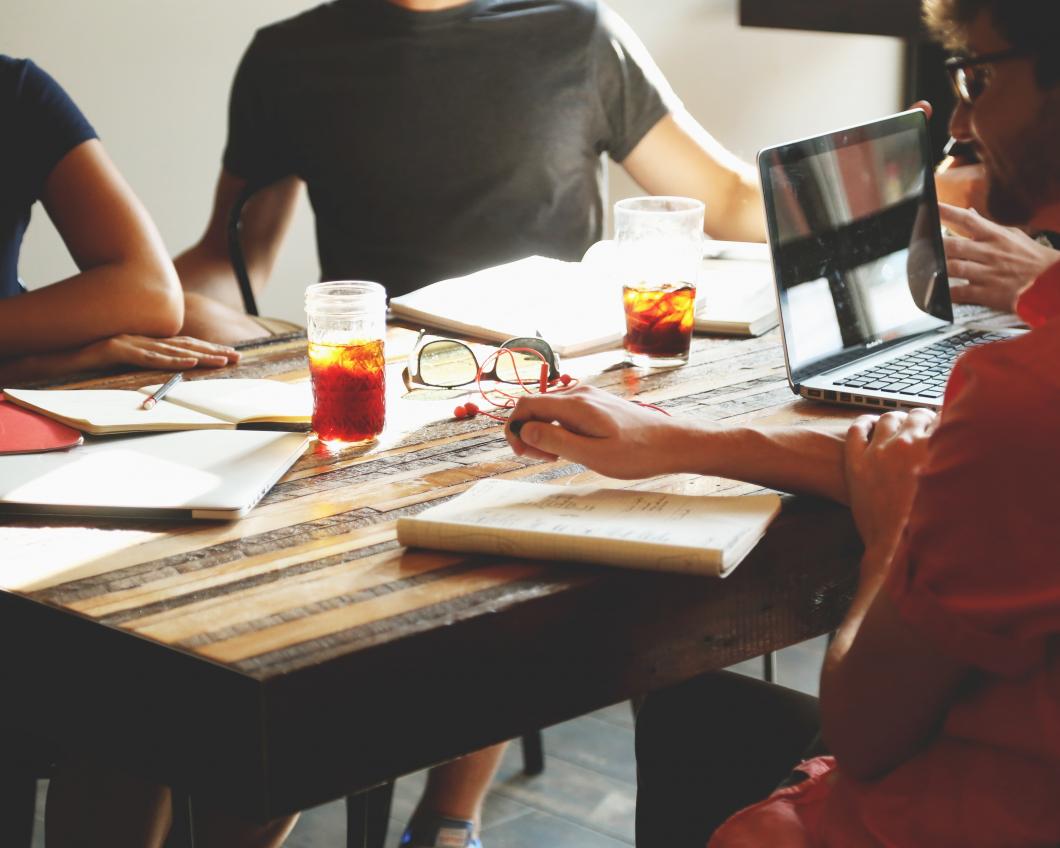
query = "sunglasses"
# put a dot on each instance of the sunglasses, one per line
(448, 363)
(970, 75)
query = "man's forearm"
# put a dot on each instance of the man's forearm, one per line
(873, 571)
(621, 439)
(792, 459)
(746, 213)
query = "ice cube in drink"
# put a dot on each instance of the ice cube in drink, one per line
(659, 321)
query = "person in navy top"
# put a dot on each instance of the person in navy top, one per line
(46, 126)
(125, 306)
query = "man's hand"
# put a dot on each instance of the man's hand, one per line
(961, 184)
(603, 432)
(883, 457)
(998, 262)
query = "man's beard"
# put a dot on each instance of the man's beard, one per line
(1032, 179)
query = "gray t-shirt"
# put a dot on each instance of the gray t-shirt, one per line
(437, 143)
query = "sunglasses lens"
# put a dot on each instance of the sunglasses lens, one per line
(519, 366)
(446, 364)
(524, 363)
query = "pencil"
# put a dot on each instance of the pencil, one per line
(161, 391)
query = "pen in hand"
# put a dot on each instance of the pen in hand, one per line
(161, 391)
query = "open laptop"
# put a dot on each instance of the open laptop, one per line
(209, 474)
(859, 266)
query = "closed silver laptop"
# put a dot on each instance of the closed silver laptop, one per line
(194, 474)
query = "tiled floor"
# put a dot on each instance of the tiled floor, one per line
(585, 797)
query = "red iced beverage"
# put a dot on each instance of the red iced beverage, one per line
(349, 397)
(659, 322)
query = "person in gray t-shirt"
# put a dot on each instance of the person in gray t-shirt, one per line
(438, 137)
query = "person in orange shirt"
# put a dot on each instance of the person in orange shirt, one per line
(940, 695)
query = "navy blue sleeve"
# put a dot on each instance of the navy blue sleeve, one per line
(46, 124)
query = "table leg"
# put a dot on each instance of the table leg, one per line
(769, 667)
(367, 816)
(533, 753)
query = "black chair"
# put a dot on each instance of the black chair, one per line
(235, 246)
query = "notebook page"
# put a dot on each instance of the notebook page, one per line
(239, 399)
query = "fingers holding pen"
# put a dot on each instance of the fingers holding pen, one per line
(547, 427)
(606, 433)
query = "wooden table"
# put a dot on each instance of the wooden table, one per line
(289, 658)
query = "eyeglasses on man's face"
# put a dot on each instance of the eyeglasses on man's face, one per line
(448, 363)
(970, 75)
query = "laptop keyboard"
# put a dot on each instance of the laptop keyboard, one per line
(922, 373)
(964, 312)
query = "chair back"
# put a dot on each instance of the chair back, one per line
(235, 247)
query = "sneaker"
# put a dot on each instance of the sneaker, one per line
(440, 832)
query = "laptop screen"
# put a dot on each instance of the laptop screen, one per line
(857, 247)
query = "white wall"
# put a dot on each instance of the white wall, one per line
(153, 77)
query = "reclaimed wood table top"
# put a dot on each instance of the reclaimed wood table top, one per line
(285, 659)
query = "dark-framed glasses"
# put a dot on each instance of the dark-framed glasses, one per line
(448, 363)
(970, 75)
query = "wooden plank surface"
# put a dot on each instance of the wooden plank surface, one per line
(309, 618)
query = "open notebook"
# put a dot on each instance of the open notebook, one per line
(622, 527)
(193, 405)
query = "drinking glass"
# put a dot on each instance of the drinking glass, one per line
(659, 246)
(346, 324)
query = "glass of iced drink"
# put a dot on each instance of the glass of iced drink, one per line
(659, 244)
(346, 324)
